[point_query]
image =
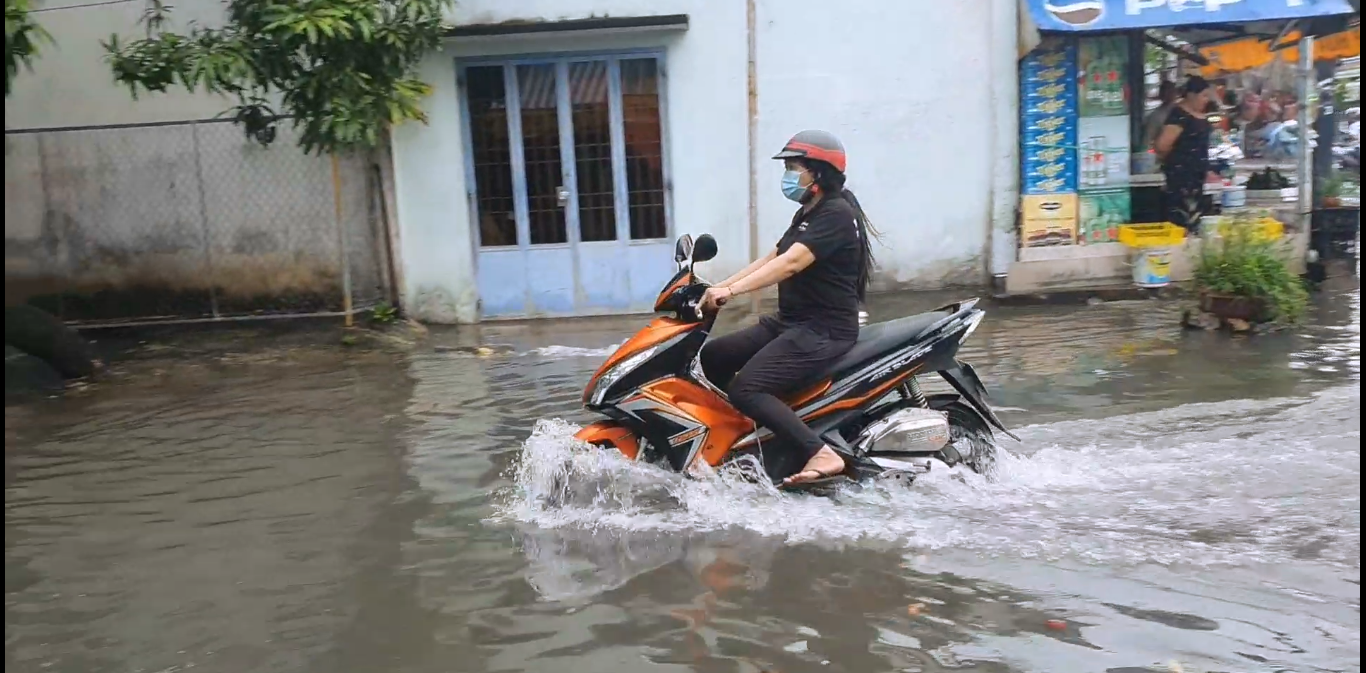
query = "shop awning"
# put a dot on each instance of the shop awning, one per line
(1251, 52)
(1103, 15)
(606, 24)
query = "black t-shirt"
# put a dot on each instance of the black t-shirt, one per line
(824, 296)
(1188, 160)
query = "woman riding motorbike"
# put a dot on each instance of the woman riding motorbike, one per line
(822, 266)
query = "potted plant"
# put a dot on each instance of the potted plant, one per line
(1334, 225)
(1268, 185)
(1243, 279)
(1330, 191)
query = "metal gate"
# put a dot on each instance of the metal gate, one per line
(568, 184)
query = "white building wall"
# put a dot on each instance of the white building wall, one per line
(706, 110)
(72, 85)
(907, 86)
(178, 208)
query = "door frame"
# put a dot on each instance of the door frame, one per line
(517, 163)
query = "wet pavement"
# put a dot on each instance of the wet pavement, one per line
(1180, 501)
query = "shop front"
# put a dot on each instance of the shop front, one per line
(1087, 169)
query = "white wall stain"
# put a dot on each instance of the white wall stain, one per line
(913, 105)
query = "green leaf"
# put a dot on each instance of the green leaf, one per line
(342, 69)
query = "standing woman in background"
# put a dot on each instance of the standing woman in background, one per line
(1183, 149)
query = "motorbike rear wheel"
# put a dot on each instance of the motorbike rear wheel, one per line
(971, 441)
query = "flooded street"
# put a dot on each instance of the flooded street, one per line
(1180, 501)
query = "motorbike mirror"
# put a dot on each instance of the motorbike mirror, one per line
(705, 248)
(683, 248)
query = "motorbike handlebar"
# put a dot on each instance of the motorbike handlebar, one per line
(697, 307)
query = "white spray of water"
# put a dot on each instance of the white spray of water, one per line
(1203, 484)
(562, 352)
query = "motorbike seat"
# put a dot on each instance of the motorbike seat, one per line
(881, 338)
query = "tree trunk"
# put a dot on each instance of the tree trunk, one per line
(43, 336)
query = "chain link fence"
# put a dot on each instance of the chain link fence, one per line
(189, 221)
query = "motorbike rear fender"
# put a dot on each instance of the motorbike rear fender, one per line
(964, 379)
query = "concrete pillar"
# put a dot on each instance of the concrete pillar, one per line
(1005, 145)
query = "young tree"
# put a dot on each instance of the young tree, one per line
(22, 35)
(341, 70)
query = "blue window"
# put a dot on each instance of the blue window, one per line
(568, 183)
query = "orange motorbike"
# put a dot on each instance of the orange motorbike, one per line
(868, 406)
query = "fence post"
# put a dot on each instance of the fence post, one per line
(54, 265)
(1306, 88)
(341, 240)
(204, 221)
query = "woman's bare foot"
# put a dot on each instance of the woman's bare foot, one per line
(825, 464)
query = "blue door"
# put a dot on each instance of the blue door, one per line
(568, 184)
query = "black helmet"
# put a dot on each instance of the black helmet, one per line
(817, 146)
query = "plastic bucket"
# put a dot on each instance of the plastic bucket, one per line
(1150, 248)
(1152, 267)
(1234, 197)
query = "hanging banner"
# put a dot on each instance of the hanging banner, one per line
(1103, 130)
(1048, 220)
(1102, 85)
(1098, 15)
(1048, 118)
(1103, 152)
(1250, 53)
(1102, 213)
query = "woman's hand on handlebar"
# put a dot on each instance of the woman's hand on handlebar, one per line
(714, 298)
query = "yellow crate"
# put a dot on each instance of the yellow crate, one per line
(1264, 228)
(1268, 229)
(1160, 235)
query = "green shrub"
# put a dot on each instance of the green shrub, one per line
(22, 37)
(1331, 186)
(1242, 264)
(384, 313)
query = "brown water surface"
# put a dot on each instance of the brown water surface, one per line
(1178, 497)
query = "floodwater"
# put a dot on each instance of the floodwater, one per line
(1180, 501)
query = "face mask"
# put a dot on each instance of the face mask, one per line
(792, 186)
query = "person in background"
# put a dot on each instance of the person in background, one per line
(1249, 111)
(1225, 104)
(1153, 123)
(1271, 109)
(1353, 129)
(1290, 108)
(1183, 149)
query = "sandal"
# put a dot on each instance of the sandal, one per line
(821, 478)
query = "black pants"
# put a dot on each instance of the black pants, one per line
(758, 364)
(1186, 202)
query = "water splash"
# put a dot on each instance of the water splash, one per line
(559, 352)
(1203, 484)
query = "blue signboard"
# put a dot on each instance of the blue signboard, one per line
(1048, 118)
(1091, 15)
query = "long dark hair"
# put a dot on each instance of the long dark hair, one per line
(831, 183)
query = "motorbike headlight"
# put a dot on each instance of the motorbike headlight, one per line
(610, 377)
